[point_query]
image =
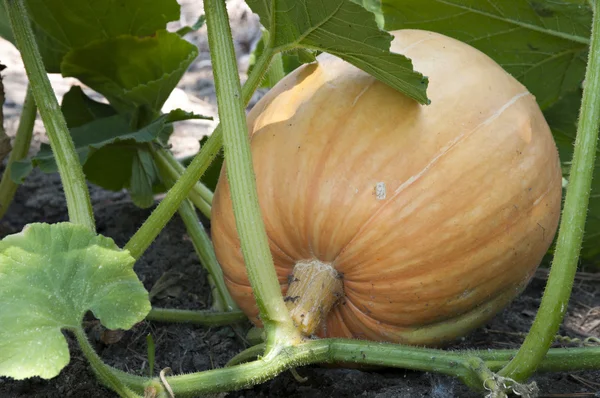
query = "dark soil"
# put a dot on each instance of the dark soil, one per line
(186, 348)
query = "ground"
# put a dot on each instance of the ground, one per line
(186, 348)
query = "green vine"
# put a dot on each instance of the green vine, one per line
(240, 173)
(564, 264)
(8, 187)
(140, 241)
(69, 168)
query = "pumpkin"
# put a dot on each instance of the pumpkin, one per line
(394, 221)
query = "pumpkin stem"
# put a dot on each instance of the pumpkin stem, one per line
(313, 288)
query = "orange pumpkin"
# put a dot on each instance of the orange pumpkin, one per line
(431, 218)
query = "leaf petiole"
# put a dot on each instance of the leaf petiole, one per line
(21, 146)
(71, 172)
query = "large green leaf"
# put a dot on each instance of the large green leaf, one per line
(562, 117)
(63, 25)
(344, 29)
(375, 7)
(130, 71)
(542, 43)
(50, 276)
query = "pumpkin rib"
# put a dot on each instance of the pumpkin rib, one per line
(445, 150)
(427, 333)
(353, 294)
(498, 231)
(474, 180)
(320, 168)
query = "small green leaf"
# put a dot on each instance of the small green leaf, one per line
(64, 25)
(144, 176)
(542, 43)
(130, 71)
(79, 109)
(50, 276)
(19, 170)
(344, 29)
(195, 27)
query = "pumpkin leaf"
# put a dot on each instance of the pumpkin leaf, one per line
(63, 25)
(212, 173)
(50, 276)
(291, 59)
(5, 29)
(373, 6)
(79, 109)
(132, 72)
(344, 29)
(195, 27)
(562, 118)
(113, 156)
(542, 43)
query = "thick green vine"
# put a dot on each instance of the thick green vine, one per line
(71, 172)
(240, 173)
(564, 265)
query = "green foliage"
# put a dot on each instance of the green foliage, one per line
(562, 117)
(130, 71)
(79, 109)
(114, 155)
(5, 30)
(373, 6)
(212, 173)
(50, 276)
(290, 59)
(344, 29)
(64, 25)
(195, 27)
(543, 43)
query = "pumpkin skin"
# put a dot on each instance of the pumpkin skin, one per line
(436, 215)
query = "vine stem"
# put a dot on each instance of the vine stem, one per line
(200, 194)
(240, 173)
(462, 364)
(140, 241)
(209, 318)
(564, 265)
(69, 168)
(202, 244)
(276, 70)
(21, 146)
(104, 372)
